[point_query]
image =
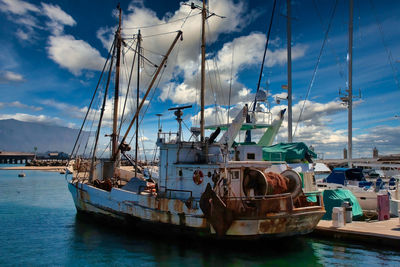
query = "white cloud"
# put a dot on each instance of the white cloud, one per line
(32, 118)
(58, 18)
(22, 35)
(184, 60)
(9, 76)
(17, 104)
(181, 93)
(144, 139)
(74, 55)
(17, 7)
(54, 12)
(65, 50)
(246, 51)
(71, 110)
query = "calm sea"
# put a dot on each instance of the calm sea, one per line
(39, 227)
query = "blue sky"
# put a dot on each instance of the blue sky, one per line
(51, 53)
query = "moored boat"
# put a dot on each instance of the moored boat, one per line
(199, 189)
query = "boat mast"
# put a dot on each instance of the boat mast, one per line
(162, 64)
(203, 60)
(350, 93)
(115, 151)
(289, 69)
(137, 102)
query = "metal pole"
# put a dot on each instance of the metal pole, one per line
(137, 104)
(115, 153)
(350, 94)
(203, 64)
(289, 69)
(179, 35)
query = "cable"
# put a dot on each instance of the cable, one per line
(265, 52)
(156, 25)
(95, 91)
(389, 54)
(337, 58)
(230, 85)
(127, 92)
(316, 66)
(159, 34)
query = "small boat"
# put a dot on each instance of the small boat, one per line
(353, 179)
(21, 174)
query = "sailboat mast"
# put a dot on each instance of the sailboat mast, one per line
(203, 64)
(137, 103)
(115, 151)
(350, 94)
(289, 68)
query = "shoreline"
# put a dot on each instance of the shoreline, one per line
(35, 168)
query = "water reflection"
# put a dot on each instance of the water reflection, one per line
(39, 226)
(100, 244)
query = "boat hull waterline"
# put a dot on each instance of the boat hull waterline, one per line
(127, 207)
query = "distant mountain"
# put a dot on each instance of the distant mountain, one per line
(24, 136)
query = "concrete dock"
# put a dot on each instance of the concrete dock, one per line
(375, 232)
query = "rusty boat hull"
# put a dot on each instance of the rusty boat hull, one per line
(158, 214)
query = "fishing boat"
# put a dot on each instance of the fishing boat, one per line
(199, 190)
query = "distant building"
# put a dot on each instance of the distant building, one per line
(375, 153)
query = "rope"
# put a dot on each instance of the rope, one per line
(316, 67)
(127, 92)
(218, 81)
(147, 107)
(230, 85)
(387, 50)
(168, 22)
(153, 35)
(337, 58)
(187, 18)
(90, 105)
(265, 52)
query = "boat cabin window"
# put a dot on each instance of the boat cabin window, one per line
(235, 174)
(251, 156)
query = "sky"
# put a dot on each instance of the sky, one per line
(52, 54)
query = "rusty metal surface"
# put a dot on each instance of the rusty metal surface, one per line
(293, 224)
(217, 213)
(235, 217)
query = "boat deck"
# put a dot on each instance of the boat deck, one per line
(376, 232)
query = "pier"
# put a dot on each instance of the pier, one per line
(385, 232)
(7, 157)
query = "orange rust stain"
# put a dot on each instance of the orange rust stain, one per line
(272, 226)
(178, 206)
(163, 204)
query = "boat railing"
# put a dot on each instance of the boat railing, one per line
(167, 137)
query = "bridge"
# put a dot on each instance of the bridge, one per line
(7, 157)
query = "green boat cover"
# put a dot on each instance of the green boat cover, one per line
(335, 198)
(289, 152)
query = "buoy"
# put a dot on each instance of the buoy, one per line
(198, 177)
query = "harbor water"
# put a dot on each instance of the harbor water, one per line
(39, 227)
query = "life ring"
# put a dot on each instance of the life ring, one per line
(198, 177)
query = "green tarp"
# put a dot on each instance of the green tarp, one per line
(289, 152)
(335, 198)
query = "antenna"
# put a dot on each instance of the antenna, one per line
(178, 113)
(205, 14)
(159, 122)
